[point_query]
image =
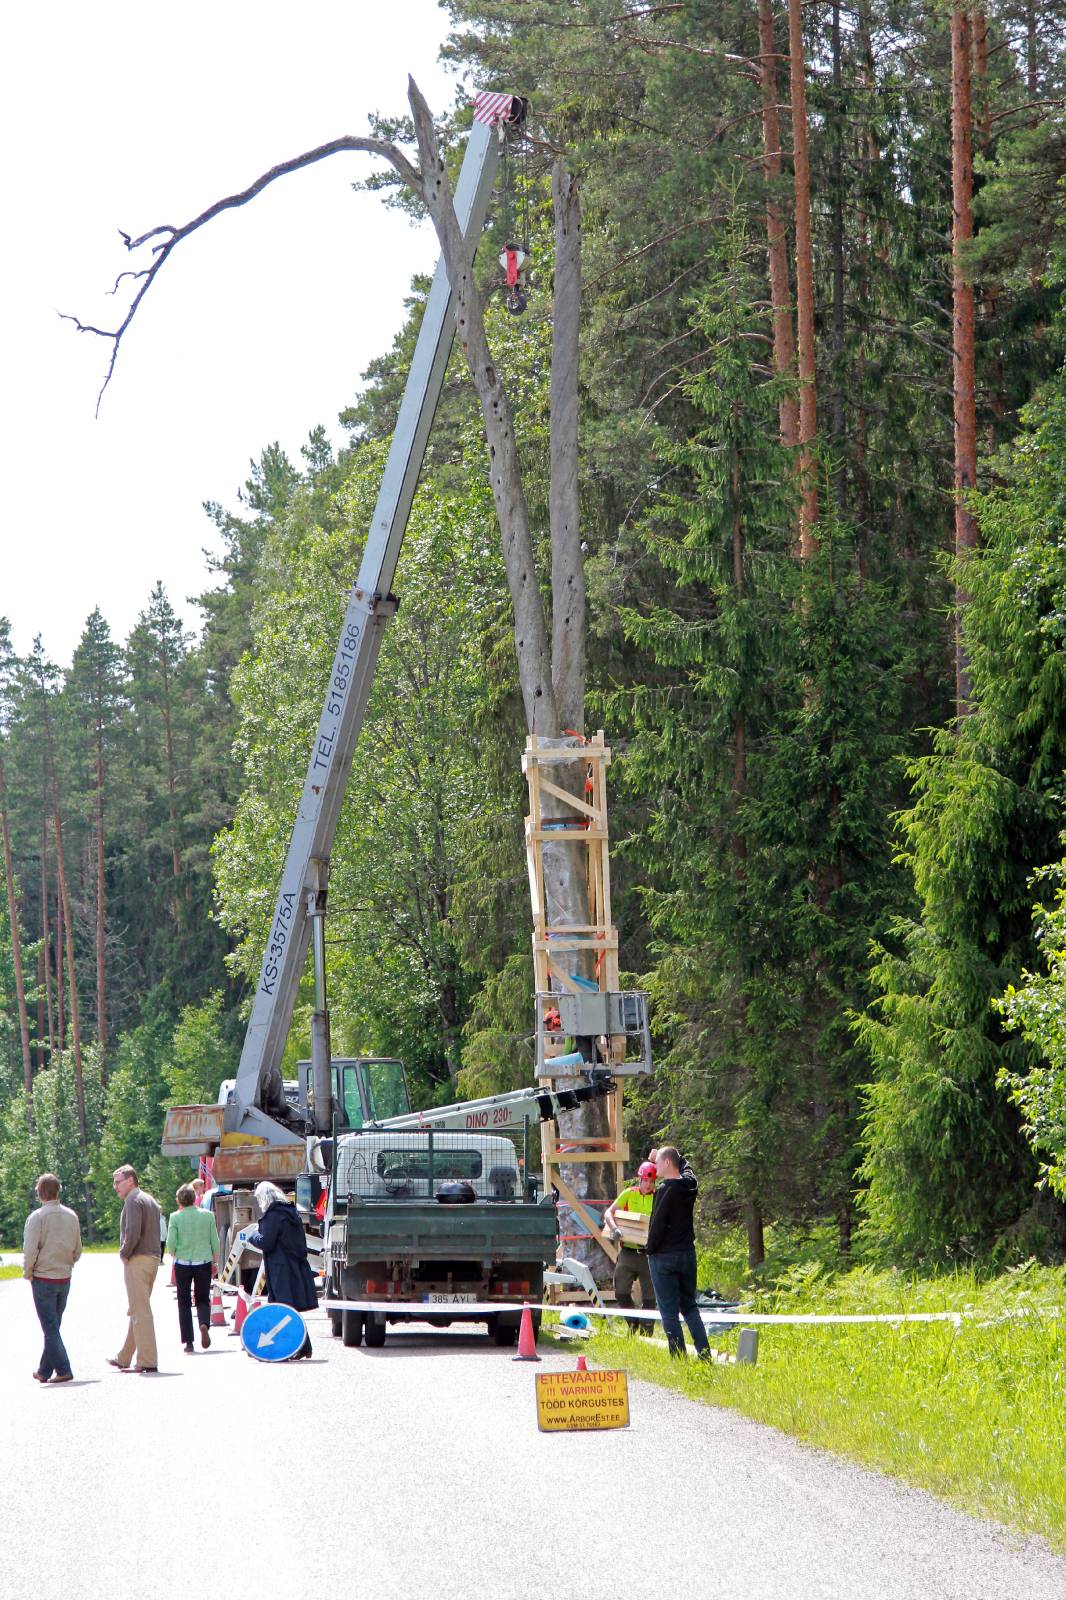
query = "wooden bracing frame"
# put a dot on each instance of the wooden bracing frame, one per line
(554, 811)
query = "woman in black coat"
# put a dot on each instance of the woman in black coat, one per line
(280, 1236)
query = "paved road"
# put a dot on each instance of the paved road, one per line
(417, 1473)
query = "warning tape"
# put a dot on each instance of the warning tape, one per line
(411, 1308)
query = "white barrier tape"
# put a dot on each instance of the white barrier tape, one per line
(438, 1308)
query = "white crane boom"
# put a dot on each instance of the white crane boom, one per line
(370, 605)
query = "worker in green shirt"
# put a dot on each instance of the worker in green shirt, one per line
(192, 1239)
(632, 1264)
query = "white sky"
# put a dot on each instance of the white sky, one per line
(125, 115)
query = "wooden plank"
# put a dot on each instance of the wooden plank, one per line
(607, 1245)
(572, 800)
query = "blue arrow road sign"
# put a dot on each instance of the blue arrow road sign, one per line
(273, 1332)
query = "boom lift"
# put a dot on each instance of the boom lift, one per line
(258, 1130)
(259, 1134)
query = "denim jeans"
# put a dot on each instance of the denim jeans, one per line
(673, 1272)
(50, 1301)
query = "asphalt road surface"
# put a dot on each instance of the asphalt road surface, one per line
(417, 1472)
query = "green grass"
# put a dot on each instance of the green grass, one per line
(975, 1415)
(10, 1272)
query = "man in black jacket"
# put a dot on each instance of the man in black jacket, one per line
(671, 1251)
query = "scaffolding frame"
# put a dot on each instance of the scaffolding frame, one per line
(580, 819)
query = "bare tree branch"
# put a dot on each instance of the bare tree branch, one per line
(168, 237)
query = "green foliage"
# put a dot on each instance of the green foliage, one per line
(768, 717)
(201, 1053)
(769, 761)
(397, 980)
(1037, 1008)
(970, 1412)
(133, 1112)
(986, 815)
(50, 1144)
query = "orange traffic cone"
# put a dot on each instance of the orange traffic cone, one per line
(245, 1303)
(527, 1339)
(218, 1316)
(582, 1364)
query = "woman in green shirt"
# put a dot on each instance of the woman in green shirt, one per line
(192, 1239)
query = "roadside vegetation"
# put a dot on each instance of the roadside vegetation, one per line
(973, 1413)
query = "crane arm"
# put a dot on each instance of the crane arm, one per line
(502, 1113)
(370, 605)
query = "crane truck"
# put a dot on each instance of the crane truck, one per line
(343, 1135)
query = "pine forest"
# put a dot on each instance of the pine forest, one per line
(812, 261)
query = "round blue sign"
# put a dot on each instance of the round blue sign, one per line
(273, 1332)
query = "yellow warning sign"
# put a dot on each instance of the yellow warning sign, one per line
(581, 1400)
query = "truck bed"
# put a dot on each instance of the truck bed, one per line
(484, 1231)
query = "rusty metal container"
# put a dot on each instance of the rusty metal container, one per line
(251, 1163)
(192, 1130)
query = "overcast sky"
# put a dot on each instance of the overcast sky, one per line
(126, 115)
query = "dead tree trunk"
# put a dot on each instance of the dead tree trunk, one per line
(808, 396)
(16, 949)
(568, 562)
(776, 238)
(544, 679)
(962, 329)
(508, 493)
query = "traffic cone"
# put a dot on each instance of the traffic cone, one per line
(218, 1315)
(527, 1341)
(582, 1365)
(245, 1303)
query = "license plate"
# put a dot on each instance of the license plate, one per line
(449, 1299)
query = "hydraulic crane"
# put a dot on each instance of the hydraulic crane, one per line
(257, 1131)
(258, 1112)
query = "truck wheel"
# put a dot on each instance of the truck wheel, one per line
(375, 1332)
(335, 1323)
(352, 1328)
(503, 1333)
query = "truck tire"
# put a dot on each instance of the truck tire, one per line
(352, 1328)
(375, 1332)
(335, 1323)
(503, 1333)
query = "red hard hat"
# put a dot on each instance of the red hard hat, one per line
(647, 1169)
